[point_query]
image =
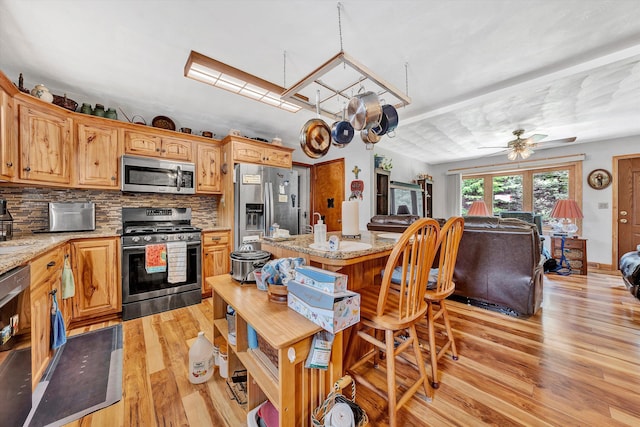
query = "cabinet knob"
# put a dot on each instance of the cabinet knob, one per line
(113, 178)
(158, 150)
(9, 164)
(51, 264)
(27, 169)
(164, 151)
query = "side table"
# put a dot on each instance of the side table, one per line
(575, 250)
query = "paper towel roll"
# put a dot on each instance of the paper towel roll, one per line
(350, 218)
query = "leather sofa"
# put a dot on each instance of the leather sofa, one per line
(499, 264)
(630, 269)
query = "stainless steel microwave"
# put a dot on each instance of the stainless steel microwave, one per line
(150, 175)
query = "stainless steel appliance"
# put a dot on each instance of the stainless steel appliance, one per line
(72, 216)
(150, 175)
(146, 291)
(264, 196)
(15, 350)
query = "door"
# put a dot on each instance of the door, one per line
(328, 192)
(304, 202)
(281, 198)
(628, 215)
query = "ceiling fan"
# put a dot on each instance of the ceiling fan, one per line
(523, 146)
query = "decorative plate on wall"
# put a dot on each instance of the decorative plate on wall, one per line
(599, 179)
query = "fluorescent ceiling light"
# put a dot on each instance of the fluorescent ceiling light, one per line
(207, 70)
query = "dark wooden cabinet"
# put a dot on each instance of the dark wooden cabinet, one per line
(575, 250)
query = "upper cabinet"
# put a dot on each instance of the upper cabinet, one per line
(246, 150)
(98, 153)
(148, 144)
(8, 141)
(44, 140)
(208, 168)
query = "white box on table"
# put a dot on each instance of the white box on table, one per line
(325, 280)
(333, 312)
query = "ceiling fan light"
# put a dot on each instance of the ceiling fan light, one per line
(512, 155)
(526, 152)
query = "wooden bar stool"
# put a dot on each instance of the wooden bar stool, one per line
(438, 291)
(389, 314)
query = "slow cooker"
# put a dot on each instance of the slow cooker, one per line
(245, 262)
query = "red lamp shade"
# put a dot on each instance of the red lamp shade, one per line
(566, 209)
(478, 208)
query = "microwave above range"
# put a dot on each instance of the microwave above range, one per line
(149, 175)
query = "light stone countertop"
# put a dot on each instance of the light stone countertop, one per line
(301, 244)
(24, 248)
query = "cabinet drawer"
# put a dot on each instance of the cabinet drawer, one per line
(572, 243)
(46, 265)
(215, 238)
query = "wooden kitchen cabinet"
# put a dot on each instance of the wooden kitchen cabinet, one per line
(44, 138)
(46, 275)
(96, 269)
(8, 140)
(208, 166)
(215, 256)
(575, 250)
(151, 145)
(98, 156)
(246, 150)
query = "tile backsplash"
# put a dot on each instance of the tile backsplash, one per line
(29, 206)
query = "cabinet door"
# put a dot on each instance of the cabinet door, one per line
(46, 273)
(142, 144)
(243, 152)
(8, 142)
(208, 168)
(177, 149)
(96, 268)
(45, 145)
(279, 158)
(98, 156)
(216, 262)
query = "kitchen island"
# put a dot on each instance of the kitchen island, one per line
(363, 266)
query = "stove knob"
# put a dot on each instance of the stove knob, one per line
(135, 239)
(165, 237)
(190, 237)
(181, 237)
(147, 238)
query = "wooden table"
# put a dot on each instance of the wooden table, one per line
(294, 390)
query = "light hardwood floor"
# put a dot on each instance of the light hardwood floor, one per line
(576, 363)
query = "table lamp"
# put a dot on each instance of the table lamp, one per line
(564, 211)
(478, 208)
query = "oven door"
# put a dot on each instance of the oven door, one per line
(138, 285)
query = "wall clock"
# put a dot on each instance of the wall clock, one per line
(599, 179)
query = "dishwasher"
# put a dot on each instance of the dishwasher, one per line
(15, 347)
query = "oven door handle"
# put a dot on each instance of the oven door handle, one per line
(128, 248)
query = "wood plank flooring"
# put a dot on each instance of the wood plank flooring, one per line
(576, 363)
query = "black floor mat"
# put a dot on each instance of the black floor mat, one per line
(85, 376)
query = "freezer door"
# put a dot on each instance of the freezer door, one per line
(282, 200)
(249, 209)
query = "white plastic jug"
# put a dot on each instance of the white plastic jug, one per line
(201, 360)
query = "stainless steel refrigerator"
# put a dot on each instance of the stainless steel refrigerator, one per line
(264, 196)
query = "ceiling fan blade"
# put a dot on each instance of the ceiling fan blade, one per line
(556, 141)
(494, 146)
(536, 138)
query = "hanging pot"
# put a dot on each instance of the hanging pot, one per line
(388, 121)
(342, 133)
(369, 136)
(315, 136)
(364, 111)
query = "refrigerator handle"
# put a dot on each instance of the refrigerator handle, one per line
(268, 207)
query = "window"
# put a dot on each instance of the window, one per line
(534, 190)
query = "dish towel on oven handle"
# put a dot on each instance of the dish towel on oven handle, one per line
(177, 262)
(155, 258)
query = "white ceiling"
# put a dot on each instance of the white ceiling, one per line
(477, 69)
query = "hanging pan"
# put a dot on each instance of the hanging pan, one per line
(315, 136)
(342, 132)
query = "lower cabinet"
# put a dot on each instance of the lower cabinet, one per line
(215, 256)
(96, 269)
(46, 275)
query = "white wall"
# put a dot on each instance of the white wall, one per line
(355, 154)
(597, 223)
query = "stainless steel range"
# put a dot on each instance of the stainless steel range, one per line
(161, 261)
